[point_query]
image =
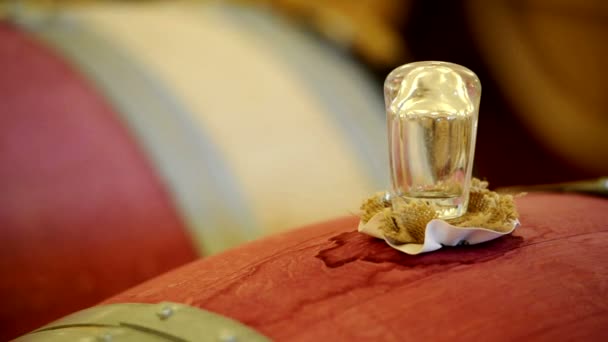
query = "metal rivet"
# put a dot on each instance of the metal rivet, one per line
(107, 337)
(165, 313)
(227, 336)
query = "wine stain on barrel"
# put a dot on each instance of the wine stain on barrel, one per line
(353, 246)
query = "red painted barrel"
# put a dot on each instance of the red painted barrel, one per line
(325, 282)
(83, 215)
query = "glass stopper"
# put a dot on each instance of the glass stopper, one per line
(432, 110)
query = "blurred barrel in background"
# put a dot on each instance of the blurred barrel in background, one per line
(135, 136)
(541, 66)
(83, 214)
(250, 122)
(549, 59)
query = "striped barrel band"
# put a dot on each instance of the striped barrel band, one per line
(148, 322)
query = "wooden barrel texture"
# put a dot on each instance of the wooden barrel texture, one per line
(326, 282)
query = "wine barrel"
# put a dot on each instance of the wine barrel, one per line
(136, 137)
(254, 126)
(83, 214)
(545, 55)
(327, 282)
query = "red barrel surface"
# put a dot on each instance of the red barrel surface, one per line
(546, 281)
(83, 215)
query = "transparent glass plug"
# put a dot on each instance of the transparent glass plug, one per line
(432, 110)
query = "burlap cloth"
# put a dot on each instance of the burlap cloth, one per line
(405, 222)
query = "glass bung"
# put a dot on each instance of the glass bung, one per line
(432, 110)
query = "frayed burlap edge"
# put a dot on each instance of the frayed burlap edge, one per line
(405, 222)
